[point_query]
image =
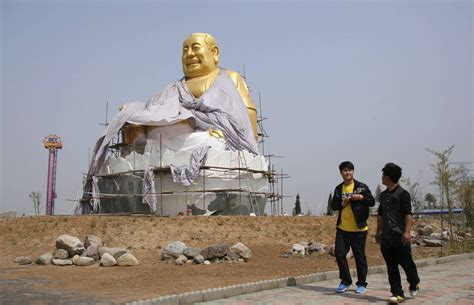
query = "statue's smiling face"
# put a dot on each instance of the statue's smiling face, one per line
(198, 58)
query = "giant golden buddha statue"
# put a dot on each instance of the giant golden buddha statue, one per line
(208, 103)
(207, 116)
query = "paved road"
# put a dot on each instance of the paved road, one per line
(450, 283)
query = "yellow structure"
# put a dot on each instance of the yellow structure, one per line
(200, 58)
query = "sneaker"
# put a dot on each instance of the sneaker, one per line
(342, 288)
(360, 289)
(413, 293)
(395, 299)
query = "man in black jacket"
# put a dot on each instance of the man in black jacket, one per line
(352, 199)
(394, 224)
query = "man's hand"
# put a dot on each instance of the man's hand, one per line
(406, 238)
(346, 201)
(357, 197)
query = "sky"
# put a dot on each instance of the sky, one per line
(367, 81)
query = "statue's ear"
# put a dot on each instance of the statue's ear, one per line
(215, 53)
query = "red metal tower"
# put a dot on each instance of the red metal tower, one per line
(52, 143)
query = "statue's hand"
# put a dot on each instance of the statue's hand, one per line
(215, 133)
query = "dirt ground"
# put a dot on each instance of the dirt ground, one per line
(145, 236)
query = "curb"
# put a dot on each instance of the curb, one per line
(234, 290)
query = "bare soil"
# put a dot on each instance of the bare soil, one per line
(145, 236)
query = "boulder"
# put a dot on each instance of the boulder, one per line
(232, 256)
(242, 250)
(426, 230)
(331, 250)
(419, 241)
(84, 261)
(71, 244)
(191, 252)
(92, 240)
(215, 251)
(445, 235)
(433, 242)
(349, 254)
(107, 260)
(314, 247)
(62, 262)
(75, 259)
(462, 233)
(44, 259)
(173, 250)
(322, 251)
(435, 236)
(127, 260)
(116, 252)
(181, 260)
(303, 243)
(92, 251)
(23, 260)
(198, 259)
(61, 254)
(298, 247)
(206, 262)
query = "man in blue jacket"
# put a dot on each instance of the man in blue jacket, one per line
(352, 199)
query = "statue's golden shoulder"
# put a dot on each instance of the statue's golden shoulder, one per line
(235, 76)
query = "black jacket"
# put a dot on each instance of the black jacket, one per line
(359, 208)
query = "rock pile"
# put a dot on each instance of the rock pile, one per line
(307, 248)
(179, 253)
(71, 251)
(427, 236)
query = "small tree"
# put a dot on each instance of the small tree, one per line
(297, 209)
(446, 177)
(430, 199)
(329, 210)
(414, 189)
(465, 194)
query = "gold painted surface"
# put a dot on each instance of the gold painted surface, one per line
(216, 133)
(199, 59)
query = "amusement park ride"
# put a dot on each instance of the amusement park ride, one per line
(52, 143)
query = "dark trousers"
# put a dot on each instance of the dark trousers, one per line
(395, 256)
(356, 242)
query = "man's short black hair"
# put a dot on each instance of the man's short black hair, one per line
(346, 164)
(393, 171)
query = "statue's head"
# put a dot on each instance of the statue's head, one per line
(200, 55)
